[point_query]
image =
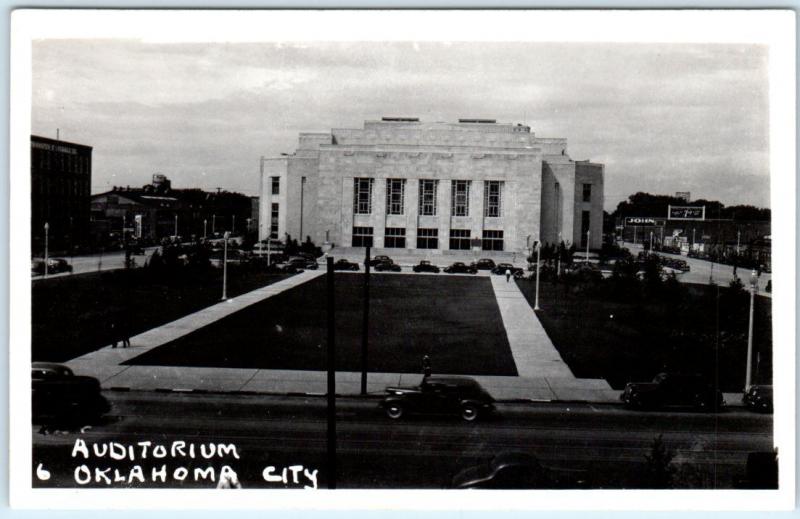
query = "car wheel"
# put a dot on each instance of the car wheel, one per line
(469, 412)
(394, 411)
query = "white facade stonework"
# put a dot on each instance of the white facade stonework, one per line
(540, 195)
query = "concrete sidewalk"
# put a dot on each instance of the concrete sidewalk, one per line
(543, 375)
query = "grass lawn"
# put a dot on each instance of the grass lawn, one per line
(71, 314)
(453, 320)
(626, 341)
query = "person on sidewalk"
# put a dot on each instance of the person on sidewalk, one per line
(113, 330)
(125, 331)
(508, 275)
(426, 366)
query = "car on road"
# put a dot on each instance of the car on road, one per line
(378, 259)
(60, 395)
(673, 389)
(758, 398)
(54, 266)
(503, 267)
(387, 265)
(484, 264)
(460, 268)
(343, 264)
(426, 266)
(518, 470)
(300, 263)
(462, 396)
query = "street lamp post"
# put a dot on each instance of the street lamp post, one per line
(233, 225)
(651, 241)
(753, 288)
(225, 267)
(558, 260)
(176, 227)
(213, 224)
(205, 227)
(588, 234)
(538, 257)
(46, 231)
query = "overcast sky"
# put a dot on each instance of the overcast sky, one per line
(661, 117)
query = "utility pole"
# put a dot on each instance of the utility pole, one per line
(213, 224)
(233, 227)
(331, 378)
(588, 234)
(365, 327)
(176, 227)
(205, 227)
(538, 258)
(225, 267)
(46, 232)
(749, 366)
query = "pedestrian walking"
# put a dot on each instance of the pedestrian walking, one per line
(125, 332)
(426, 366)
(508, 275)
(113, 330)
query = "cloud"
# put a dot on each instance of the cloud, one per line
(663, 117)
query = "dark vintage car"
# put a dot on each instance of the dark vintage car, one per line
(387, 266)
(343, 264)
(60, 395)
(518, 470)
(758, 398)
(460, 268)
(484, 264)
(672, 389)
(761, 471)
(301, 263)
(378, 259)
(439, 395)
(502, 267)
(54, 266)
(426, 266)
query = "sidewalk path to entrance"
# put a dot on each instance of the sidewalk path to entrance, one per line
(543, 375)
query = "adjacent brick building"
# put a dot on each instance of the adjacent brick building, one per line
(61, 177)
(399, 183)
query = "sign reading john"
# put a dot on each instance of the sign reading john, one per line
(675, 212)
(643, 220)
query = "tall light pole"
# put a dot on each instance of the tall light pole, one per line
(233, 226)
(753, 288)
(176, 227)
(738, 240)
(558, 260)
(205, 227)
(225, 267)
(651, 242)
(588, 234)
(538, 257)
(46, 231)
(213, 224)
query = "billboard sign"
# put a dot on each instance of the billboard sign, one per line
(676, 212)
(643, 220)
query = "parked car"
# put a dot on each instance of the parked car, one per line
(484, 264)
(672, 389)
(135, 248)
(439, 395)
(343, 264)
(460, 268)
(426, 266)
(518, 470)
(54, 266)
(758, 398)
(58, 394)
(761, 471)
(303, 264)
(387, 265)
(378, 259)
(502, 267)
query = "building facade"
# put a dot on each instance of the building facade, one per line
(399, 183)
(61, 178)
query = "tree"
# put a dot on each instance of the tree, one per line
(659, 465)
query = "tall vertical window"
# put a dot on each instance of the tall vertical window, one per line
(492, 194)
(427, 197)
(492, 240)
(427, 238)
(362, 196)
(362, 236)
(276, 185)
(459, 239)
(395, 238)
(584, 227)
(273, 222)
(459, 201)
(395, 193)
(587, 192)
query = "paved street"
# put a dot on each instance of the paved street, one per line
(417, 452)
(97, 262)
(702, 271)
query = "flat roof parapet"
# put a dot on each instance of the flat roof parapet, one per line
(401, 119)
(480, 121)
